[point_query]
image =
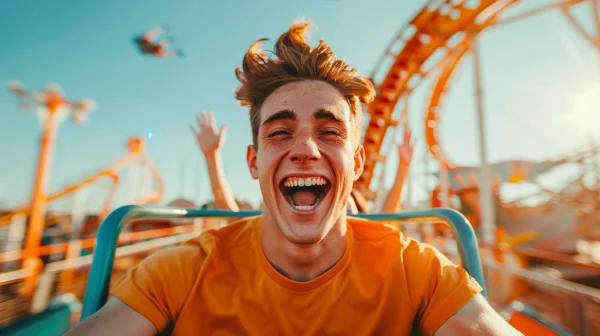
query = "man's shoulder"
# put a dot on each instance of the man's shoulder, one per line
(178, 257)
(367, 230)
(370, 231)
(237, 233)
(190, 256)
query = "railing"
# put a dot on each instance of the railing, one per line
(100, 273)
(87, 243)
(564, 304)
(70, 275)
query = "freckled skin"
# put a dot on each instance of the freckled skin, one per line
(306, 146)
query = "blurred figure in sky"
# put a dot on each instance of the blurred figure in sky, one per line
(155, 43)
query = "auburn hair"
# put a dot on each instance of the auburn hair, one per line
(295, 61)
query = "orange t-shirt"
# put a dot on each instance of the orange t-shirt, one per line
(385, 284)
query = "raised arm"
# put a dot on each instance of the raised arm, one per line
(405, 151)
(115, 318)
(210, 142)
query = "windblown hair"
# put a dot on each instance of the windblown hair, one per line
(295, 61)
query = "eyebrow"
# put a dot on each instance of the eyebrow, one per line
(281, 115)
(320, 114)
(327, 114)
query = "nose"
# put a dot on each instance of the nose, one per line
(304, 150)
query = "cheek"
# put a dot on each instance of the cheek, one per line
(268, 160)
(342, 164)
(341, 158)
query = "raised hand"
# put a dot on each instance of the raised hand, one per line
(209, 139)
(406, 148)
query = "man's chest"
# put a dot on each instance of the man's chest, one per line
(259, 306)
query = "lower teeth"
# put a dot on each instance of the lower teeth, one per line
(303, 207)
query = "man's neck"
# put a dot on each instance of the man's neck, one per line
(303, 262)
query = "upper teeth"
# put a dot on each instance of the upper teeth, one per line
(304, 181)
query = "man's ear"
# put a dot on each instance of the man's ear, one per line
(251, 160)
(359, 161)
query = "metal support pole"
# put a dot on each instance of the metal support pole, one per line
(38, 202)
(595, 169)
(488, 225)
(427, 203)
(596, 10)
(409, 177)
(444, 185)
(593, 41)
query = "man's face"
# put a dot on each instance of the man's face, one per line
(306, 160)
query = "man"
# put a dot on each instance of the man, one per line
(302, 267)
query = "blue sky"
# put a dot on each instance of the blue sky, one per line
(533, 71)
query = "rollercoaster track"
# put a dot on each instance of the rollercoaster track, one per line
(438, 36)
(455, 56)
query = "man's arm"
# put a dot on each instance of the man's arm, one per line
(210, 142)
(115, 318)
(477, 317)
(392, 202)
(224, 199)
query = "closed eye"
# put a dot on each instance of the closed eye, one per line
(276, 133)
(335, 133)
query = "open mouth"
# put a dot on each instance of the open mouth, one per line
(304, 193)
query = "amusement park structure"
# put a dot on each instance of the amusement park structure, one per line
(53, 107)
(135, 155)
(76, 237)
(433, 44)
(51, 103)
(548, 218)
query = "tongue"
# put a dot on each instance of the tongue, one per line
(304, 197)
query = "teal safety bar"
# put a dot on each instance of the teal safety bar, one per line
(104, 253)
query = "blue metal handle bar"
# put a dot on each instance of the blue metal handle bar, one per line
(98, 283)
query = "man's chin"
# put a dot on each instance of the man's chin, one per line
(300, 227)
(303, 234)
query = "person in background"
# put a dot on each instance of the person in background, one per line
(210, 140)
(392, 201)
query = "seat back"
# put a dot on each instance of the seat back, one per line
(104, 253)
(55, 320)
